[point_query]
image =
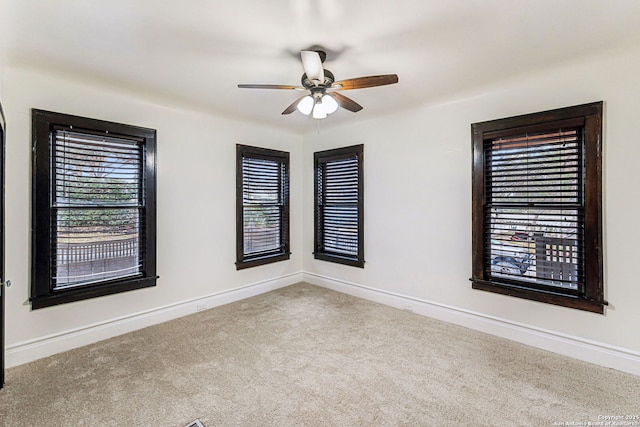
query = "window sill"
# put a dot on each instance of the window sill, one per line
(569, 301)
(254, 262)
(352, 261)
(98, 290)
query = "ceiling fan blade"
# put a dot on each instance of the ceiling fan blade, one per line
(344, 102)
(312, 64)
(258, 86)
(291, 108)
(363, 82)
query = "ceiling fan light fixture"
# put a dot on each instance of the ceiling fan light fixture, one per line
(329, 104)
(319, 111)
(305, 105)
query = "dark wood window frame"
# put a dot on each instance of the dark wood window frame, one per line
(43, 292)
(321, 250)
(588, 117)
(244, 257)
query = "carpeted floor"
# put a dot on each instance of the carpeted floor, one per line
(307, 356)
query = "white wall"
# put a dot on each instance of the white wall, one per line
(195, 205)
(418, 198)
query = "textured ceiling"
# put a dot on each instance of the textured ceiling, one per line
(197, 51)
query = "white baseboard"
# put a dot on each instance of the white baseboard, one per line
(579, 348)
(28, 351)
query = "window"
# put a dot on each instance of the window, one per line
(339, 224)
(94, 212)
(537, 202)
(262, 206)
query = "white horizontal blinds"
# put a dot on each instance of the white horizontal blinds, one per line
(263, 194)
(535, 209)
(97, 208)
(338, 194)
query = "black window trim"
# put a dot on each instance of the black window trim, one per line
(42, 292)
(243, 261)
(328, 156)
(590, 115)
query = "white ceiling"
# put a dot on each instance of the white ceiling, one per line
(197, 51)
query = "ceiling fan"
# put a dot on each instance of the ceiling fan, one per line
(324, 97)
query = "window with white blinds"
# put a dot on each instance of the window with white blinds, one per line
(537, 206)
(93, 208)
(262, 206)
(98, 208)
(339, 206)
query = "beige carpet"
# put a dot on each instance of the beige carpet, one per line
(307, 356)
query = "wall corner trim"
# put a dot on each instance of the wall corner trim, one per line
(598, 353)
(30, 350)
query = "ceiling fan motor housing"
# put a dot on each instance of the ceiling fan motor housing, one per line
(309, 84)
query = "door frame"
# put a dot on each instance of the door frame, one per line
(3, 130)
